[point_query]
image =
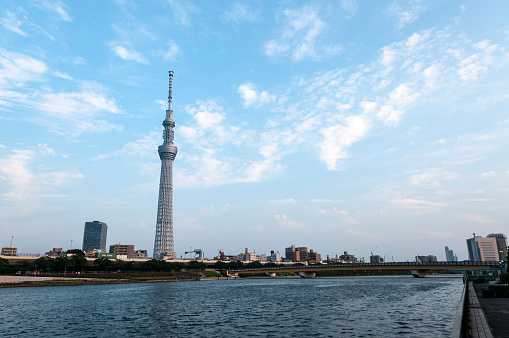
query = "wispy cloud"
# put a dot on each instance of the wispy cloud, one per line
(285, 222)
(300, 36)
(18, 171)
(474, 218)
(282, 202)
(13, 24)
(415, 206)
(349, 6)
(406, 12)
(241, 12)
(57, 7)
(364, 234)
(66, 113)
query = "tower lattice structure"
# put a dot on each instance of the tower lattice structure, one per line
(163, 244)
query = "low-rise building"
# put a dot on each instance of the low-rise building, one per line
(426, 259)
(274, 256)
(9, 251)
(55, 252)
(123, 249)
(247, 256)
(141, 253)
(314, 256)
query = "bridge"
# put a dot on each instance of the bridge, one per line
(417, 269)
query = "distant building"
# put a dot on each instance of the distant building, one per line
(55, 252)
(274, 257)
(123, 250)
(247, 256)
(9, 251)
(450, 256)
(223, 257)
(481, 249)
(94, 236)
(141, 253)
(345, 257)
(501, 240)
(297, 254)
(376, 259)
(426, 259)
(314, 256)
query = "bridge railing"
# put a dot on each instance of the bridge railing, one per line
(416, 264)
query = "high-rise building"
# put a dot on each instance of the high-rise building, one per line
(94, 236)
(481, 249)
(501, 240)
(163, 244)
(450, 256)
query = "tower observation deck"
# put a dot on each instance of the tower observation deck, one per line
(163, 244)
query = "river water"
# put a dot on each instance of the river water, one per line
(319, 307)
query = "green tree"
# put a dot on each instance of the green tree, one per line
(78, 262)
(254, 264)
(4, 265)
(195, 265)
(62, 264)
(104, 264)
(75, 252)
(44, 264)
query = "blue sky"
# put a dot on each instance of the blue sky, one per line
(336, 125)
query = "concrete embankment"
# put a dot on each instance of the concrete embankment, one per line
(481, 317)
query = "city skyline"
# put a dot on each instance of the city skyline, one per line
(338, 125)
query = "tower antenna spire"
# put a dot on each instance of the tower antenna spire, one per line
(169, 114)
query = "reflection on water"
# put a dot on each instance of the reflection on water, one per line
(321, 307)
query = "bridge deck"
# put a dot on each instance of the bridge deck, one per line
(368, 266)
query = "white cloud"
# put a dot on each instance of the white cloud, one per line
(476, 218)
(16, 170)
(13, 24)
(172, 52)
(337, 138)
(248, 92)
(300, 36)
(433, 176)
(417, 206)
(17, 68)
(66, 113)
(55, 6)
(143, 147)
(282, 202)
(241, 12)
(406, 14)
(283, 221)
(130, 55)
(349, 6)
(364, 234)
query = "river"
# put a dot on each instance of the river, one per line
(381, 306)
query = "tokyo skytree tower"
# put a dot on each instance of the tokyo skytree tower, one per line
(163, 245)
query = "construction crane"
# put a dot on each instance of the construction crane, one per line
(373, 250)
